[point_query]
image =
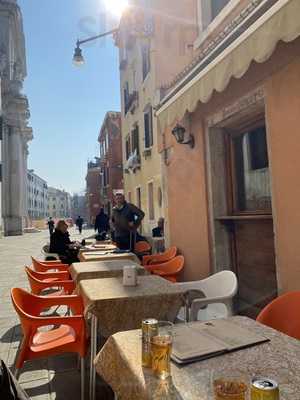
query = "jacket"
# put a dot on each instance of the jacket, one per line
(121, 218)
(102, 222)
(59, 242)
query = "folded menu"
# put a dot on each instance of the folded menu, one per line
(197, 341)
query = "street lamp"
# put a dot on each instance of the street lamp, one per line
(78, 59)
(179, 133)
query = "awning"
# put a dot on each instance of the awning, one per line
(280, 23)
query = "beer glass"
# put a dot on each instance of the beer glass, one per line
(161, 347)
(230, 386)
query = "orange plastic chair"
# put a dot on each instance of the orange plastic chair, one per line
(44, 266)
(160, 258)
(282, 314)
(37, 285)
(169, 270)
(142, 247)
(68, 334)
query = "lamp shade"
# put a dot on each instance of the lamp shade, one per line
(78, 59)
(179, 133)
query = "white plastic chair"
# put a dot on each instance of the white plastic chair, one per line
(219, 290)
(46, 253)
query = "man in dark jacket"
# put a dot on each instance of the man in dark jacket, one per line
(79, 223)
(61, 244)
(50, 224)
(126, 218)
(102, 223)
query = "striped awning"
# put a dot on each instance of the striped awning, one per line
(280, 23)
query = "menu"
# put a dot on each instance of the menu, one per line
(196, 341)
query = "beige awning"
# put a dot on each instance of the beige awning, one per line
(280, 23)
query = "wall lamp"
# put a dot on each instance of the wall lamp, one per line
(179, 132)
(78, 59)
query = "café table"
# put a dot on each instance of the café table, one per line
(107, 255)
(98, 247)
(114, 307)
(119, 364)
(102, 269)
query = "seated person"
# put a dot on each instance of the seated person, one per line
(159, 230)
(61, 244)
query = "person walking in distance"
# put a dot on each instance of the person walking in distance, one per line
(79, 223)
(126, 218)
(50, 224)
(102, 223)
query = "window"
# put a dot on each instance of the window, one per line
(146, 59)
(129, 197)
(151, 201)
(148, 128)
(128, 147)
(138, 197)
(126, 96)
(208, 10)
(251, 172)
(135, 140)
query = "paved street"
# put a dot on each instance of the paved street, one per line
(53, 378)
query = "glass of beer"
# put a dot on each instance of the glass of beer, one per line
(230, 387)
(161, 347)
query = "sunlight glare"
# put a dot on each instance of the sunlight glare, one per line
(116, 7)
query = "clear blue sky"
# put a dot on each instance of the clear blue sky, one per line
(67, 104)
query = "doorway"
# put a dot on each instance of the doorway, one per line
(242, 213)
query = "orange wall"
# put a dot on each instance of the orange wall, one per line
(188, 221)
(283, 123)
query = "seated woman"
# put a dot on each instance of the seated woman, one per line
(61, 244)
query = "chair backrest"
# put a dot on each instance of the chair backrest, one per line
(223, 284)
(165, 256)
(142, 247)
(174, 266)
(34, 282)
(282, 314)
(26, 305)
(36, 274)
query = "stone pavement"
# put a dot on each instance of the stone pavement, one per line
(54, 378)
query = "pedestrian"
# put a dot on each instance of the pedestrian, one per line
(61, 244)
(126, 219)
(50, 224)
(79, 223)
(159, 230)
(102, 224)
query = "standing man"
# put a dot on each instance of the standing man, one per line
(79, 223)
(102, 223)
(126, 219)
(50, 224)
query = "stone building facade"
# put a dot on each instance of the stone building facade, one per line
(14, 112)
(93, 188)
(59, 203)
(37, 196)
(110, 141)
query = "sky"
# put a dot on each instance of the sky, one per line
(67, 103)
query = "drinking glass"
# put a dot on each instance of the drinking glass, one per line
(230, 386)
(161, 347)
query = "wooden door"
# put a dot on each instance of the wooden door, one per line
(252, 237)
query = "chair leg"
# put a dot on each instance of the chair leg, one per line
(82, 377)
(17, 373)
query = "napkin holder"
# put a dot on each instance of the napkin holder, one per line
(129, 275)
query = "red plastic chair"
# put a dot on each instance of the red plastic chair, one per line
(68, 334)
(44, 266)
(61, 281)
(169, 270)
(160, 258)
(282, 314)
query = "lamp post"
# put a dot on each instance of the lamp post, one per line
(78, 59)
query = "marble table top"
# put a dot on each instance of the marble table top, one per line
(107, 255)
(122, 308)
(101, 269)
(119, 363)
